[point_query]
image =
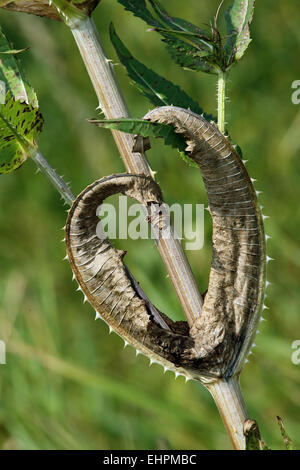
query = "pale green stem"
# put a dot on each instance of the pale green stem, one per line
(53, 177)
(222, 80)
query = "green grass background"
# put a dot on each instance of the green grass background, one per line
(67, 383)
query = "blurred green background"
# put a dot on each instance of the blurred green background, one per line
(67, 383)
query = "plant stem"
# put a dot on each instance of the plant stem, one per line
(229, 400)
(112, 104)
(55, 179)
(222, 80)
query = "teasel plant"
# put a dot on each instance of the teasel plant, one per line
(216, 366)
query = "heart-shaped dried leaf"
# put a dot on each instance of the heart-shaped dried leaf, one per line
(20, 124)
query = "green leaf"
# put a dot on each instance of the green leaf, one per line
(20, 124)
(14, 51)
(12, 77)
(145, 128)
(192, 39)
(252, 442)
(185, 55)
(286, 439)
(181, 25)
(154, 87)
(73, 10)
(139, 9)
(238, 19)
(68, 10)
(252, 436)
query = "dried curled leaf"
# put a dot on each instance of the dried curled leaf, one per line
(217, 344)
